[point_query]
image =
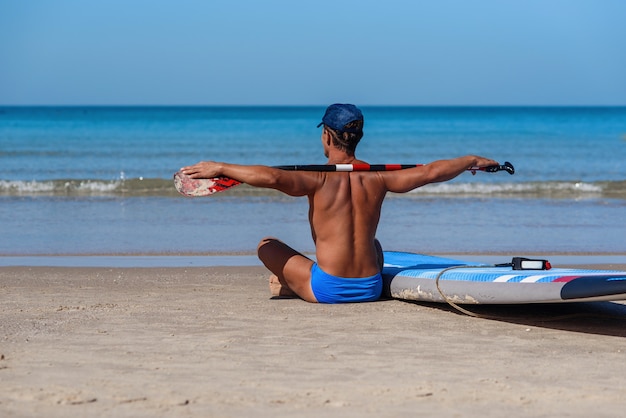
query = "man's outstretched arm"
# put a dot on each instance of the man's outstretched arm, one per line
(289, 182)
(403, 181)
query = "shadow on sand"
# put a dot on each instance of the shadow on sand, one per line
(602, 318)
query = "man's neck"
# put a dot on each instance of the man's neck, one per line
(336, 156)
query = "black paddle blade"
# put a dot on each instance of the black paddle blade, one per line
(507, 166)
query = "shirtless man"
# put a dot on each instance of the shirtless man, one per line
(344, 210)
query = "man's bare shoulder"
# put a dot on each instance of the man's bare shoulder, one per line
(401, 181)
(299, 183)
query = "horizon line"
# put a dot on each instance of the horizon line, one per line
(2, 105)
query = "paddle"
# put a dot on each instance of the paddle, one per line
(205, 187)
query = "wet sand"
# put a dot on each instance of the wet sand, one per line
(210, 341)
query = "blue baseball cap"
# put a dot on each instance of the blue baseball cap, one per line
(338, 115)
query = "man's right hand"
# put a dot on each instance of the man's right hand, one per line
(203, 170)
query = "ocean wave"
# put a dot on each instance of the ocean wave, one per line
(547, 189)
(165, 188)
(88, 187)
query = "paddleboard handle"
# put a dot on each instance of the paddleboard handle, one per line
(521, 263)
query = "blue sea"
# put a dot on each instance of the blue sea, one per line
(98, 180)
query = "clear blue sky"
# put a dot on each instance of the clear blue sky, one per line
(387, 52)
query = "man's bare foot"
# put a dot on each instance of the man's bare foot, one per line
(277, 289)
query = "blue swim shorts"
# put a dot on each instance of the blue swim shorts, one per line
(331, 289)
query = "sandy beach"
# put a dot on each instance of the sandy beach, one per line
(116, 342)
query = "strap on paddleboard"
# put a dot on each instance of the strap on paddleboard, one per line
(517, 263)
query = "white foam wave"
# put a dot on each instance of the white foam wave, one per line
(26, 186)
(21, 187)
(164, 187)
(521, 189)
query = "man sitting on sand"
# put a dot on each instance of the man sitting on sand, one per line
(344, 210)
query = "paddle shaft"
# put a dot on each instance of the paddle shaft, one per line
(187, 186)
(382, 167)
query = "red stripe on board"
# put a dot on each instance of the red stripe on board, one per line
(360, 167)
(566, 279)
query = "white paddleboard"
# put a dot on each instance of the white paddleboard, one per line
(413, 277)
